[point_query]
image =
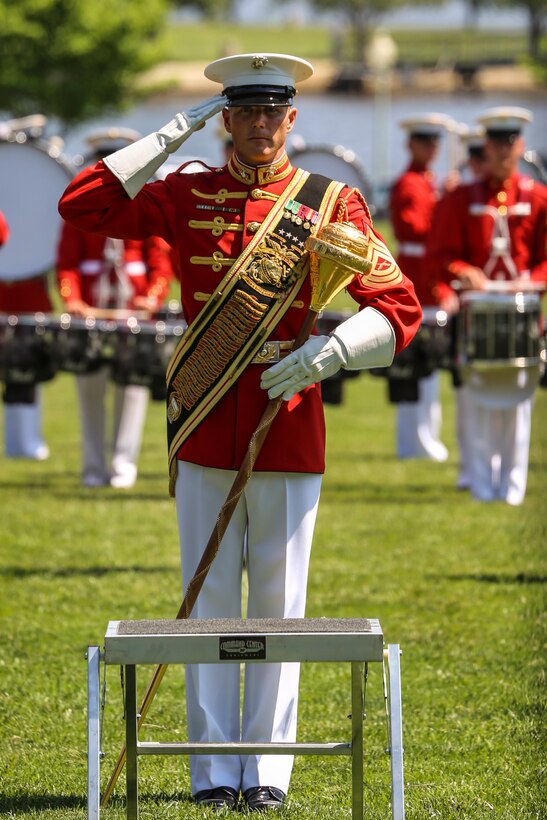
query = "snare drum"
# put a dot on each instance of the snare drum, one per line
(27, 349)
(83, 345)
(499, 329)
(143, 351)
(499, 345)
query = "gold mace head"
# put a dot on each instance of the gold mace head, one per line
(338, 253)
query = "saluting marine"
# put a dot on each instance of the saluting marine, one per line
(238, 232)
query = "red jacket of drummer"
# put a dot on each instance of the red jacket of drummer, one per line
(22, 295)
(464, 228)
(109, 273)
(209, 218)
(413, 198)
(4, 230)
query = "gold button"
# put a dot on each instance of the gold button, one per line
(502, 210)
(253, 227)
(502, 196)
(256, 193)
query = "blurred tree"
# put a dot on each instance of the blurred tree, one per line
(537, 20)
(75, 59)
(362, 15)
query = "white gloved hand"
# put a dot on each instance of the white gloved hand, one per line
(135, 164)
(317, 359)
(364, 340)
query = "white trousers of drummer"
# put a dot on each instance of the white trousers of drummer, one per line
(129, 415)
(23, 436)
(418, 424)
(499, 453)
(272, 529)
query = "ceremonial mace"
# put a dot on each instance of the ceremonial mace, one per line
(337, 255)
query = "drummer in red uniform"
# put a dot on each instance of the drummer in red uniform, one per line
(412, 201)
(109, 274)
(491, 235)
(23, 437)
(239, 232)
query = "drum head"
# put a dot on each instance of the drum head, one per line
(334, 161)
(31, 184)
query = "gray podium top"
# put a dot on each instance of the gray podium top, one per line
(232, 640)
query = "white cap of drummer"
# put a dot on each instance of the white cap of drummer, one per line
(259, 78)
(105, 141)
(504, 123)
(427, 126)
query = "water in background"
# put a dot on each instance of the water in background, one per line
(350, 121)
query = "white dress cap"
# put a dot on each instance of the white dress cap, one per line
(432, 124)
(472, 137)
(509, 119)
(259, 69)
(111, 139)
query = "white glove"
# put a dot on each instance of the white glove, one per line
(364, 340)
(138, 162)
(317, 359)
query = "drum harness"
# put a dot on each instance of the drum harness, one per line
(500, 247)
(113, 294)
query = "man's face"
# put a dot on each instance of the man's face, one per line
(424, 148)
(259, 132)
(502, 156)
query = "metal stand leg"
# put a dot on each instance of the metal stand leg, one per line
(357, 707)
(93, 732)
(396, 732)
(131, 735)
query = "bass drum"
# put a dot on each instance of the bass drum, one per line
(32, 181)
(335, 162)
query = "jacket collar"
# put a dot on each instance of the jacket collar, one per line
(262, 174)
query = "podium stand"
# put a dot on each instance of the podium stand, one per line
(357, 641)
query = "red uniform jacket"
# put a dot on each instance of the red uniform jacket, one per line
(208, 218)
(4, 230)
(461, 235)
(412, 202)
(83, 266)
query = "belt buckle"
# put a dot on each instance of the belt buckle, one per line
(269, 352)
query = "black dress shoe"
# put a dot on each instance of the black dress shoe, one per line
(262, 798)
(219, 798)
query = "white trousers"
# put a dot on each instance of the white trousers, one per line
(418, 424)
(464, 436)
(129, 415)
(500, 444)
(23, 430)
(273, 527)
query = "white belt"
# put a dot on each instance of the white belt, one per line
(411, 249)
(272, 352)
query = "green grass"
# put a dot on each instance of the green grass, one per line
(209, 40)
(458, 584)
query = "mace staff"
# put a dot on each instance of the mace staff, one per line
(337, 255)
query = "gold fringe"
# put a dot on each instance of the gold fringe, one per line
(219, 344)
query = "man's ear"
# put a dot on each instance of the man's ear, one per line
(291, 119)
(226, 119)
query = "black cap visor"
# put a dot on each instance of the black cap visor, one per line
(426, 136)
(259, 95)
(503, 135)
